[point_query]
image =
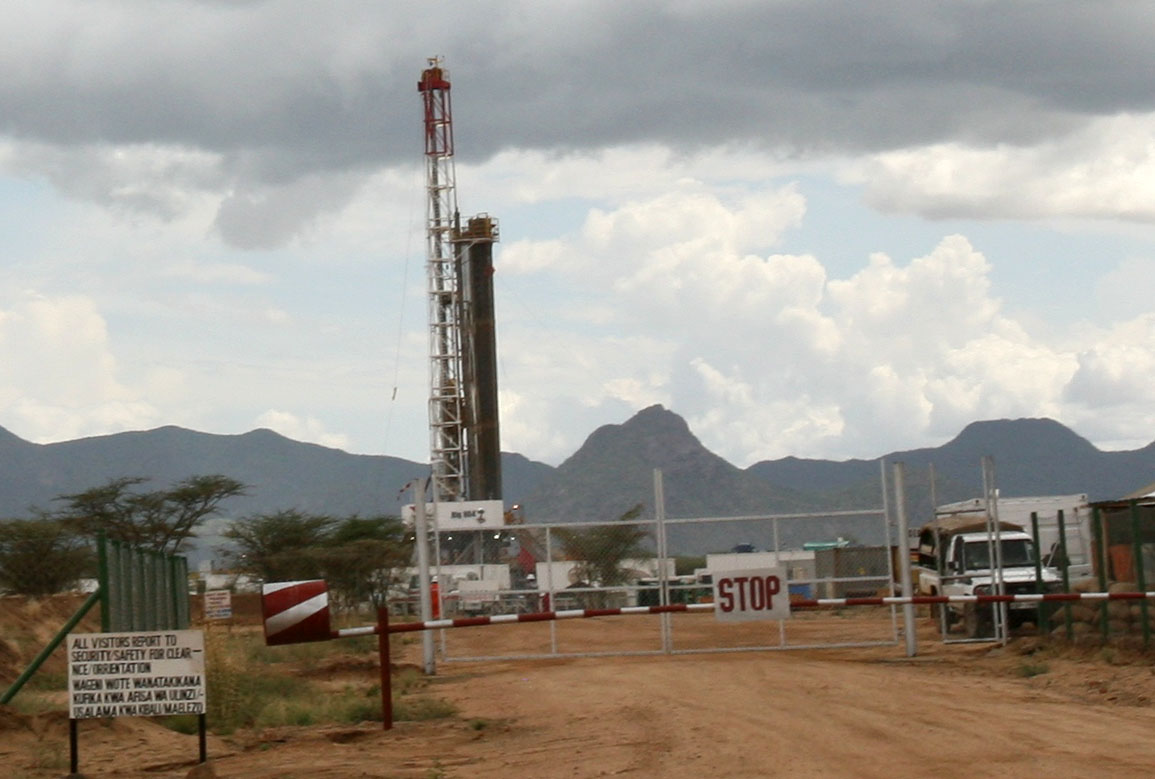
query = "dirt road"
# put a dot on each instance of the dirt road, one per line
(740, 715)
(952, 712)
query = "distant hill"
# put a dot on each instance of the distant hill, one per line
(1031, 457)
(614, 470)
(281, 473)
(611, 472)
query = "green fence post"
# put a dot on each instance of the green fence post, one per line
(145, 592)
(170, 588)
(130, 585)
(139, 605)
(152, 597)
(161, 582)
(940, 564)
(164, 591)
(1140, 574)
(180, 592)
(115, 585)
(1043, 613)
(102, 579)
(126, 586)
(1101, 555)
(1065, 569)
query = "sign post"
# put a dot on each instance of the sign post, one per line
(218, 605)
(149, 674)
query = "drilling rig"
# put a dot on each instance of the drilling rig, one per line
(465, 448)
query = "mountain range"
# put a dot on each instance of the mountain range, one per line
(612, 471)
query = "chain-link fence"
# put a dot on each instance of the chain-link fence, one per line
(1074, 559)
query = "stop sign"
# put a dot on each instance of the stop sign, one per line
(743, 596)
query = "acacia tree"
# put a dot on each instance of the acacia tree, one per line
(600, 550)
(41, 557)
(364, 557)
(359, 557)
(281, 546)
(161, 520)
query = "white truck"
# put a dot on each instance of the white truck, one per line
(955, 555)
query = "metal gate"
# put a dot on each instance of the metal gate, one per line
(659, 561)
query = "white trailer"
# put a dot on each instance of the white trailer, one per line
(1076, 523)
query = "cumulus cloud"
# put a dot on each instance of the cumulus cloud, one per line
(1112, 371)
(1122, 292)
(526, 427)
(767, 355)
(307, 428)
(739, 412)
(567, 377)
(1110, 393)
(1106, 170)
(672, 236)
(947, 293)
(60, 377)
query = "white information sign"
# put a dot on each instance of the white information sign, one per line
(460, 515)
(744, 596)
(136, 674)
(218, 604)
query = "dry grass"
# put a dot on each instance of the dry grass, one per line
(250, 685)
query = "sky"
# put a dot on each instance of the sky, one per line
(825, 230)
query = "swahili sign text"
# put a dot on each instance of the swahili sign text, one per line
(136, 674)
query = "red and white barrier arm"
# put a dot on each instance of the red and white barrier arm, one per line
(917, 600)
(537, 616)
(795, 603)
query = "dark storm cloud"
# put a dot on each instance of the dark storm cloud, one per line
(824, 76)
(286, 89)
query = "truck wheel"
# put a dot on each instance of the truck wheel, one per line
(943, 618)
(978, 621)
(936, 612)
